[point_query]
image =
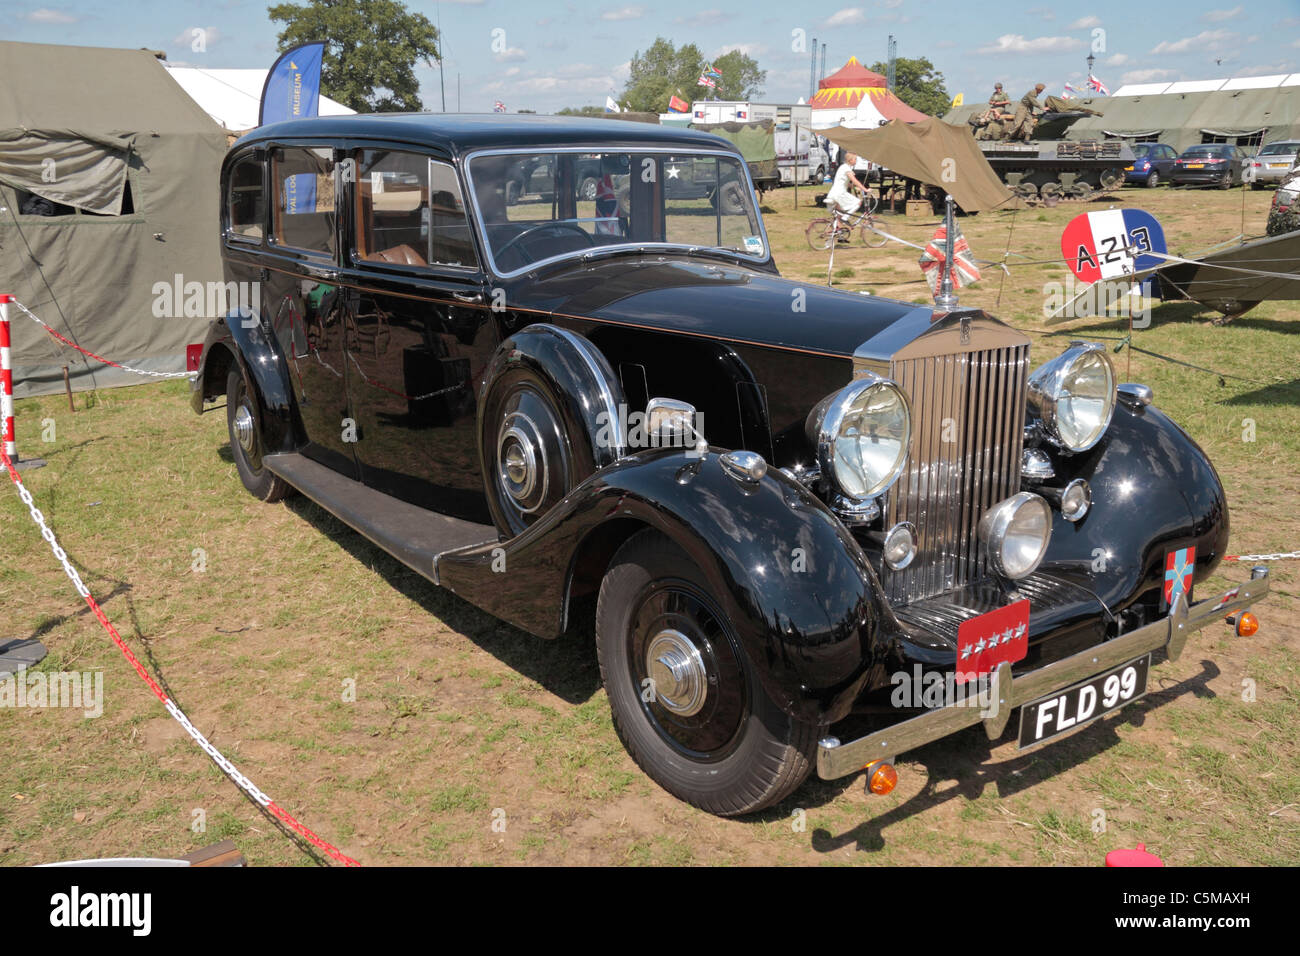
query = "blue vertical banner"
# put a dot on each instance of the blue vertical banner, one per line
(292, 87)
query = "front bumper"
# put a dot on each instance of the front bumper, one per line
(836, 759)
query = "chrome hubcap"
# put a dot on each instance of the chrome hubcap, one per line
(520, 470)
(244, 428)
(677, 669)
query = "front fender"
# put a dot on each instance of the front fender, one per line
(238, 336)
(799, 592)
(1153, 491)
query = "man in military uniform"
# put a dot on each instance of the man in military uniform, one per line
(992, 123)
(1027, 113)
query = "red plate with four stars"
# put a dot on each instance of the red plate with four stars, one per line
(986, 641)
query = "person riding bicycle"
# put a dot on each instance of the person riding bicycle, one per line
(841, 198)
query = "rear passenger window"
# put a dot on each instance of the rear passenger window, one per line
(410, 211)
(304, 198)
(246, 201)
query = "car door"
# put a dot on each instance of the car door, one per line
(303, 299)
(1164, 159)
(419, 330)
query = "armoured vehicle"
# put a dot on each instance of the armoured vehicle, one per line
(1048, 165)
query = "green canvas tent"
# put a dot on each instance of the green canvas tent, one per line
(108, 207)
(1247, 111)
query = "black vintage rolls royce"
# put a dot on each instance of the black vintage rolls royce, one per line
(783, 498)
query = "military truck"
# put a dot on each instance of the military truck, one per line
(1047, 165)
(757, 143)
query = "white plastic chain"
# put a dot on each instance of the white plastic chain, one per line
(137, 371)
(48, 535)
(1276, 556)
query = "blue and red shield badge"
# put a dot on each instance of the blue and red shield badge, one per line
(1180, 565)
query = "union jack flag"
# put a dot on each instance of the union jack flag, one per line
(1180, 565)
(1098, 85)
(964, 270)
(498, 107)
(706, 80)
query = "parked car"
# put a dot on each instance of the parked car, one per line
(1151, 164)
(1272, 163)
(1284, 213)
(782, 497)
(1208, 164)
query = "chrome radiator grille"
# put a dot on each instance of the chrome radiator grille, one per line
(968, 415)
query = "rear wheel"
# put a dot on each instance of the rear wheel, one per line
(245, 428)
(1153, 180)
(685, 699)
(819, 235)
(588, 189)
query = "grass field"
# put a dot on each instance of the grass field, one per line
(405, 726)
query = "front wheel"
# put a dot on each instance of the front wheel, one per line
(684, 696)
(869, 236)
(245, 428)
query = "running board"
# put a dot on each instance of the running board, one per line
(413, 535)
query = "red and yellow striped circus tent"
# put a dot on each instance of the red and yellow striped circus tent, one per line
(841, 95)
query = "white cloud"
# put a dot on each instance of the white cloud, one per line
(703, 18)
(46, 15)
(624, 13)
(845, 17)
(1118, 59)
(1045, 13)
(749, 49)
(1015, 43)
(891, 4)
(1205, 40)
(1146, 76)
(511, 54)
(1218, 16)
(1084, 22)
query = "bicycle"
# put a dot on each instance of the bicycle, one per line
(823, 231)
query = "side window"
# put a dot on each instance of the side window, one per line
(246, 199)
(410, 211)
(449, 236)
(304, 198)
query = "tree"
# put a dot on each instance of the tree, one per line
(371, 48)
(581, 111)
(741, 77)
(664, 71)
(918, 84)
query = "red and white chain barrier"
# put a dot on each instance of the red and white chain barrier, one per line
(98, 358)
(226, 766)
(1275, 556)
(6, 383)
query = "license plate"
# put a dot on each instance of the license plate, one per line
(1083, 703)
(1195, 165)
(1279, 165)
(986, 641)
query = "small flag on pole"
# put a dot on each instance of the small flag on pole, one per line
(611, 106)
(706, 81)
(959, 99)
(498, 107)
(678, 105)
(1098, 85)
(964, 270)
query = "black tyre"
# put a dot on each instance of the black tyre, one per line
(245, 428)
(588, 189)
(685, 699)
(731, 198)
(1153, 180)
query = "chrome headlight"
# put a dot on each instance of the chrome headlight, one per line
(862, 434)
(1015, 533)
(1074, 395)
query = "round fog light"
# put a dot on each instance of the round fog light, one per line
(1016, 532)
(881, 777)
(1076, 500)
(900, 545)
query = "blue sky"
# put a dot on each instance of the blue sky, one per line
(547, 54)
